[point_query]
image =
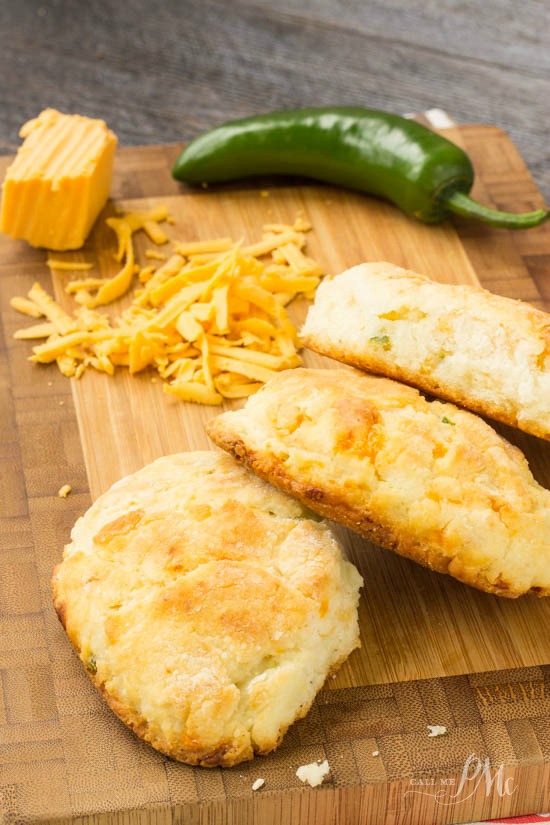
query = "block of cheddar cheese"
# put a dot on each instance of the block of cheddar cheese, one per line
(59, 181)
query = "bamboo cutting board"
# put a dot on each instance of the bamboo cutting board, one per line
(434, 652)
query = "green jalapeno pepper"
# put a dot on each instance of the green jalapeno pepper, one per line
(382, 154)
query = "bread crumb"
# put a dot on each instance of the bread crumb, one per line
(258, 783)
(314, 773)
(264, 193)
(376, 753)
(436, 730)
(64, 491)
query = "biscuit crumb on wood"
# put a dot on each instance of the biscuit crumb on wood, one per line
(314, 774)
(436, 730)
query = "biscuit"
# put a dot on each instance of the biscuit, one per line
(488, 353)
(426, 479)
(207, 606)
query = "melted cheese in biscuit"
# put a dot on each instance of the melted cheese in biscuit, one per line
(424, 478)
(483, 351)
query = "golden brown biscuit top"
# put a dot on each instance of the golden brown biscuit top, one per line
(208, 606)
(425, 478)
(462, 343)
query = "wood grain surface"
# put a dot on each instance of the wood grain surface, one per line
(434, 651)
(163, 72)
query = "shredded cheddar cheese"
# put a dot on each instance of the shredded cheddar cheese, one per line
(211, 319)
(72, 266)
(26, 307)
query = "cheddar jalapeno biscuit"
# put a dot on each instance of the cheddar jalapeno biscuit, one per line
(488, 353)
(207, 606)
(424, 478)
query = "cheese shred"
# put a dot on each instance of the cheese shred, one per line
(211, 319)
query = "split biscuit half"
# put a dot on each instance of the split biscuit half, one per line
(431, 481)
(485, 352)
(207, 606)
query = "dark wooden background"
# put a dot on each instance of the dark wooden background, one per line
(165, 71)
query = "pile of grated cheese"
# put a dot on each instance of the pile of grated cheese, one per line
(211, 319)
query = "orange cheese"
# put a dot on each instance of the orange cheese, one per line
(211, 320)
(59, 180)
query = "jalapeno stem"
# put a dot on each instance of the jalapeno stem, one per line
(462, 204)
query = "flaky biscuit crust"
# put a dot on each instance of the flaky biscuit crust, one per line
(207, 607)
(424, 478)
(488, 353)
